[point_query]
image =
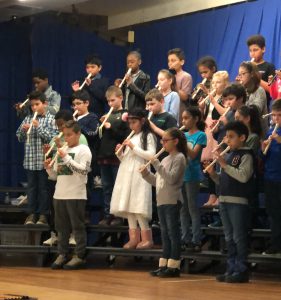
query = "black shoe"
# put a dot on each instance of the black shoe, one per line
(116, 222)
(222, 277)
(170, 272)
(216, 224)
(191, 247)
(106, 221)
(272, 250)
(242, 277)
(158, 271)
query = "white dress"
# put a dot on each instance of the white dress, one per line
(131, 193)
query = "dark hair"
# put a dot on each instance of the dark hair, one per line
(73, 125)
(256, 39)
(255, 79)
(237, 90)
(252, 112)
(64, 114)
(138, 113)
(81, 95)
(36, 95)
(170, 75)
(178, 52)
(135, 53)
(93, 59)
(113, 90)
(196, 113)
(154, 94)
(40, 73)
(208, 62)
(238, 127)
(178, 134)
(276, 105)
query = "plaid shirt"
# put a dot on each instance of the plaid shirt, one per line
(33, 150)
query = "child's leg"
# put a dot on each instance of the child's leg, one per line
(32, 190)
(185, 219)
(166, 242)
(42, 196)
(192, 190)
(76, 212)
(146, 233)
(134, 232)
(63, 225)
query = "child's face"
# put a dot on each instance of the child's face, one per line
(239, 117)
(163, 82)
(276, 117)
(188, 121)
(168, 142)
(233, 140)
(218, 84)
(133, 62)
(256, 52)
(93, 69)
(155, 106)
(205, 72)
(244, 76)
(136, 124)
(80, 106)
(115, 101)
(60, 123)
(39, 106)
(40, 84)
(71, 137)
(231, 101)
(174, 62)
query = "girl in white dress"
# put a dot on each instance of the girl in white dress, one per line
(131, 197)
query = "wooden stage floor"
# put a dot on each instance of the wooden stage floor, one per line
(129, 280)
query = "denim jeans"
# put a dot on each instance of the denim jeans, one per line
(170, 231)
(235, 226)
(37, 192)
(108, 176)
(190, 212)
(273, 206)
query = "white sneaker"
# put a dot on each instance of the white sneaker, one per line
(97, 182)
(52, 240)
(22, 200)
(72, 240)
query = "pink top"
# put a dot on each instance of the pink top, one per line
(275, 89)
(184, 81)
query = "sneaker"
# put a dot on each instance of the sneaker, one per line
(192, 247)
(116, 222)
(22, 200)
(271, 250)
(155, 225)
(75, 263)
(30, 220)
(216, 224)
(72, 241)
(106, 221)
(169, 272)
(59, 262)
(52, 240)
(242, 277)
(222, 277)
(157, 272)
(97, 182)
(42, 220)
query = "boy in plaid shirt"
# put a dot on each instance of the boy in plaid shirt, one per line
(42, 131)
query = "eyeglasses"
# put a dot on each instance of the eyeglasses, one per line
(242, 74)
(163, 141)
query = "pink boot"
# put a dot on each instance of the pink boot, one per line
(146, 240)
(134, 235)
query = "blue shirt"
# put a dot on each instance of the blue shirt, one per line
(172, 104)
(193, 171)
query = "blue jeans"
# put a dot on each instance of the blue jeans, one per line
(190, 212)
(108, 177)
(170, 231)
(235, 226)
(37, 192)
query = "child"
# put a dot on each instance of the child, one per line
(167, 86)
(61, 117)
(70, 171)
(213, 108)
(206, 66)
(137, 83)
(41, 84)
(114, 132)
(131, 197)
(196, 141)
(275, 87)
(168, 181)
(43, 129)
(236, 184)
(249, 77)
(256, 46)
(88, 123)
(272, 179)
(96, 86)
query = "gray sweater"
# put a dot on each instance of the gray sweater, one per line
(168, 178)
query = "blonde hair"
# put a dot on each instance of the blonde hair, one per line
(223, 75)
(113, 90)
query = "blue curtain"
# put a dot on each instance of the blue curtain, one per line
(221, 33)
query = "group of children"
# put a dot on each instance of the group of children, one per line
(141, 122)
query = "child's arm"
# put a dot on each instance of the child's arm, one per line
(172, 175)
(22, 130)
(140, 92)
(171, 122)
(46, 130)
(54, 102)
(260, 100)
(50, 170)
(175, 105)
(151, 148)
(186, 88)
(148, 176)
(91, 128)
(200, 143)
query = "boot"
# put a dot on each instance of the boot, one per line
(173, 269)
(134, 235)
(146, 240)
